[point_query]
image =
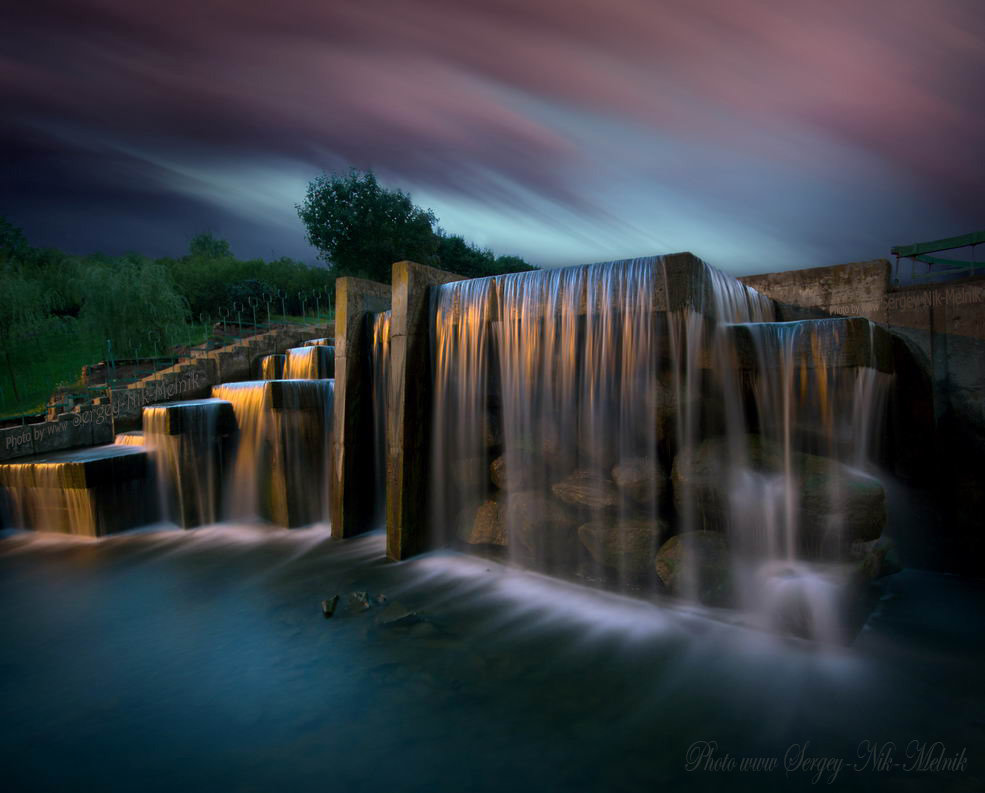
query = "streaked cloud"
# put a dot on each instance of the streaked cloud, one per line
(762, 135)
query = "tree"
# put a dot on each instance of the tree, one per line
(458, 256)
(133, 303)
(361, 228)
(22, 305)
(13, 244)
(207, 246)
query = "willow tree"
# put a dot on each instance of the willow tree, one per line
(132, 302)
(23, 306)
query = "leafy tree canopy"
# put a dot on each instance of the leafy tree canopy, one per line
(361, 228)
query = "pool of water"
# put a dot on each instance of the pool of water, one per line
(200, 660)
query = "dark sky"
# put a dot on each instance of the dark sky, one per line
(760, 135)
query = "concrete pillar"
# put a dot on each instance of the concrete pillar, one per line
(352, 493)
(409, 407)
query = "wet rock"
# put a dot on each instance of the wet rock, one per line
(541, 526)
(328, 606)
(488, 527)
(837, 504)
(821, 602)
(628, 546)
(513, 472)
(640, 479)
(397, 615)
(695, 566)
(358, 602)
(585, 488)
(876, 559)
(470, 475)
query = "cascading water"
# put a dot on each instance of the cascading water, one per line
(91, 492)
(564, 398)
(379, 352)
(801, 492)
(272, 367)
(546, 416)
(280, 473)
(316, 362)
(186, 441)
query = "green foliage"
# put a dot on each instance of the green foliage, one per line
(210, 279)
(207, 246)
(133, 303)
(461, 257)
(13, 244)
(362, 228)
(22, 307)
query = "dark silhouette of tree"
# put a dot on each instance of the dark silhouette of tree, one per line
(361, 228)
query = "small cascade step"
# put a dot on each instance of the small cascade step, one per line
(91, 492)
(283, 460)
(315, 362)
(837, 343)
(272, 367)
(190, 441)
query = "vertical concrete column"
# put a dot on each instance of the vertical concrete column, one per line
(409, 407)
(352, 471)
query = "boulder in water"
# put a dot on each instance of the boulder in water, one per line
(585, 488)
(628, 546)
(539, 524)
(328, 606)
(397, 615)
(487, 527)
(470, 474)
(640, 479)
(876, 559)
(837, 504)
(695, 565)
(358, 602)
(513, 472)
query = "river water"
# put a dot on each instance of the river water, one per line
(169, 660)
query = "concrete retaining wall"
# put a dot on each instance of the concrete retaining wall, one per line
(937, 411)
(120, 410)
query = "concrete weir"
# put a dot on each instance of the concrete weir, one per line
(90, 492)
(356, 299)
(652, 424)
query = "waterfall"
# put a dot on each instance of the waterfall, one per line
(547, 406)
(272, 367)
(592, 422)
(91, 492)
(379, 362)
(281, 469)
(186, 441)
(801, 484)
(314, 362)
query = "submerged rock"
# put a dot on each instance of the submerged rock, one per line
(836, 504)
(628, 546)
(470, 474)
(513, 472)
(641, 479)
(358, 602)
(585, 488)
(396, 614)
(539, 524)
(695, 566)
